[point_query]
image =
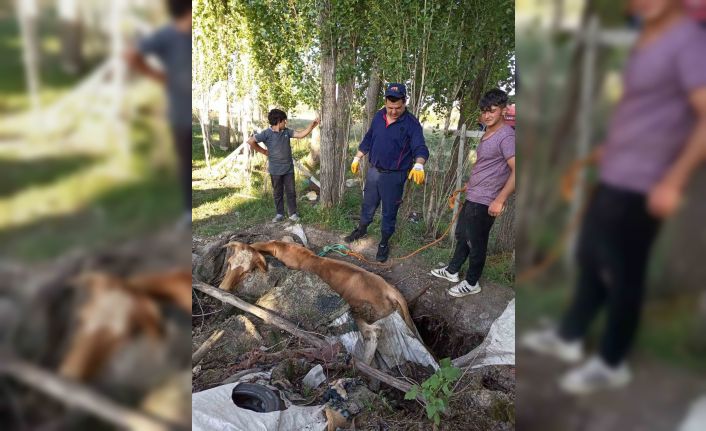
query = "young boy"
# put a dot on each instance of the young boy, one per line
(279, 156)
(172, 46)
(492, 181)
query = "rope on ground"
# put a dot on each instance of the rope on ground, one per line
(567, 183)
(345, 250)
(338, 248)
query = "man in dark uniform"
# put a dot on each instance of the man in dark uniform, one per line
(396, 152)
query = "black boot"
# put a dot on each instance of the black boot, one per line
(383, 252)
(383, 247)
(357, 233)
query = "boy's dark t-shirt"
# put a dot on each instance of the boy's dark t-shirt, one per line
(173, 48)
(280, 150)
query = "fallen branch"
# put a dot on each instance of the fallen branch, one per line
(306, 173)
(233, 155)
(284, 324)
(385, 378)
(76, 395)
(206, 346)
(263, 314)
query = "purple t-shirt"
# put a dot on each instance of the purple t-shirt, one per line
(654, 119)
(490, 173)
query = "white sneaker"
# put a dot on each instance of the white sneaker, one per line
(443, 273)
(278, 218)
(593, 376)
(294, 217)
(464, 288)
(548, 342)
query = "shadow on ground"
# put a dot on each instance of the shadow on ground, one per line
(120, 213)
(18, 175)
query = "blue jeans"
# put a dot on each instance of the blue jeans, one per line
(386, 187)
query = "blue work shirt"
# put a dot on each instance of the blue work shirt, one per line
(394, 146)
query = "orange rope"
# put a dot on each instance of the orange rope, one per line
(566, 190)
(567, 186)
(389, 263)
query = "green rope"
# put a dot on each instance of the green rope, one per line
(338, 248)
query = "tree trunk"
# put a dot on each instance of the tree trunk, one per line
(203, 120)
(503, 232)
(71, 36)
(223, 128)
(371, 97)
(27, 16)
(329, 162)
(343, 120)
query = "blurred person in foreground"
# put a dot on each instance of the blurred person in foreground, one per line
(655, 142)
(491, 183)
(172, 46)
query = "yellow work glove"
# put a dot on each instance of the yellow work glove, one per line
(417, 174)
(355, 165)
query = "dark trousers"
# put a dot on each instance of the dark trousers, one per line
(386, 187)
(182, 146)
(281, 185)
(613, 251)
(472, 231)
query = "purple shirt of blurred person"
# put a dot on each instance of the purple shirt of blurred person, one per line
(491, 171)
(654, 119)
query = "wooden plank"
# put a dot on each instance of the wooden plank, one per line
(206, 346)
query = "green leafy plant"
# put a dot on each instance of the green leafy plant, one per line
(436, 390)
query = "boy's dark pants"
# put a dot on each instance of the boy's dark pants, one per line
(613, 252)
(182, 146)
(281, 185)
(472, 231)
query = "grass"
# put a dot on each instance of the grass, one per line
(222, 205)
(68, 187)
(56, 203)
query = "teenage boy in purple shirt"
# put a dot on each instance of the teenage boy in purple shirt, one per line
(492, 181)
(656, 139)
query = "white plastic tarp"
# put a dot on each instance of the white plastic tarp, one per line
(498, 347)
(396, 342)
(213, 410)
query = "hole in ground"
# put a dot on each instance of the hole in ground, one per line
(443, 339)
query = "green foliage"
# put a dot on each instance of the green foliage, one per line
(436, 390)
(443, 50)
